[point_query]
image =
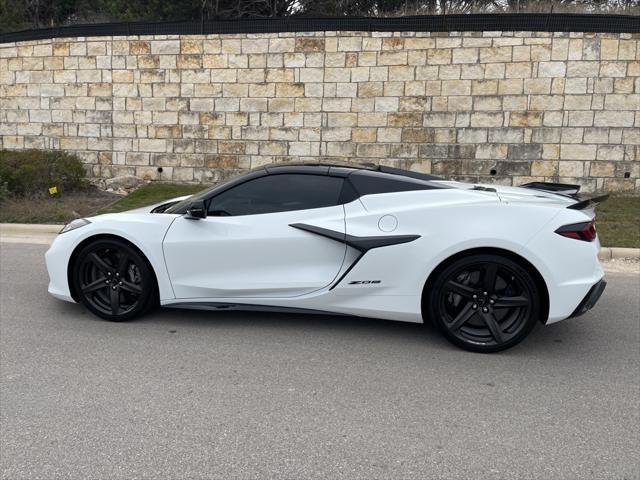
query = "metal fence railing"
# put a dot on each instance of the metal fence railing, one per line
(426, 23)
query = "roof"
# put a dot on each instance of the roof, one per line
(342, 169)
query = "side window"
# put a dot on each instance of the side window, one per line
(367, 183)
(277, 193)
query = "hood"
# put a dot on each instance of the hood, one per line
(149, 208)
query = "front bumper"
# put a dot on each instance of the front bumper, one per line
(590, 299)
(57, 259)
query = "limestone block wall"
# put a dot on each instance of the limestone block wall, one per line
(505, 107)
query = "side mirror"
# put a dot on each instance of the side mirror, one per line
(196, 210)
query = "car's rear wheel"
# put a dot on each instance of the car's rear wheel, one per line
(484, 303)
(114, 280)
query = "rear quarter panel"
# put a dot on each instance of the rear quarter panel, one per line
(450, 221)
(571, 267)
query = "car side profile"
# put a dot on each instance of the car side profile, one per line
(483, 263)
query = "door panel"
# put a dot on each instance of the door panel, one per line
(253, 255)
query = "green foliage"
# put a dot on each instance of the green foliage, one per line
(618, 222)
(33, 172)
(11, 18)
(23, 14)
(4, 190)
(150, 194)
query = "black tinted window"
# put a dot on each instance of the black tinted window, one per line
(367, 183)
(278, 193)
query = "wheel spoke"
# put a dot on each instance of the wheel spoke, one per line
(490, 276)
(131, 287)
(460, 289)
(115, 301)
(99, 263)
(123, 263)
(463, 317)
(95, 285)
(493, 326)
(508, 302)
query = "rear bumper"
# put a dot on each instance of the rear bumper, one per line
(590, 299)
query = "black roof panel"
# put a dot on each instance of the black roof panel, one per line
(342, 169)
(296, 168)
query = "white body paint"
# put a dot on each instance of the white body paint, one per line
(260, 260)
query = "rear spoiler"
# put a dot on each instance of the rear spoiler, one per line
(568, 190)
(559, 188)
(588, 203)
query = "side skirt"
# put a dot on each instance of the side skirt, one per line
(247, 307)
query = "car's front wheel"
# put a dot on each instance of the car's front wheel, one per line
(114, 280)
(484, 303)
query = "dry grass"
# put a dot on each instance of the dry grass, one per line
(618, 222)
(152, 193)
(59, 209)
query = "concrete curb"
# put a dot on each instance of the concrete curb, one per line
(28, 233)
(612, 253)
(28, 229)
(44, 234)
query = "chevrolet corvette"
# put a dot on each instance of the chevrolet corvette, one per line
(484, 263)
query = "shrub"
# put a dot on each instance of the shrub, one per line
(4, 190)
(33, 172)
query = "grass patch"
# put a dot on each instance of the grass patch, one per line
(59, 209)
(45, 186)
(618, 222)
(87, 202)
(151, 193)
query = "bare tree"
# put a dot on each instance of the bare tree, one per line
(17, 14)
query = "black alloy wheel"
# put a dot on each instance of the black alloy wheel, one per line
(114, 280)
(484, 303)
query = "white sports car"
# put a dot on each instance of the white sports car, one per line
(484, 263)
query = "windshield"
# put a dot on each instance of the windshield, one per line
(181, 206)
(176, 207)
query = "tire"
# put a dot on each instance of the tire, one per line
(114, 280)
(484, 303)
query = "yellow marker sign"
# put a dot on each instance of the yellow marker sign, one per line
(53, 190)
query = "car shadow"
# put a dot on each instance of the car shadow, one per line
(558, 339)
(543, 340)
(292, 322)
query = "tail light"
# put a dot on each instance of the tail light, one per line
(579, 231)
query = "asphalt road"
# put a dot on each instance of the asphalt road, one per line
(184, 394)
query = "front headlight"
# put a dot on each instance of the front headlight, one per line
(80, 222)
